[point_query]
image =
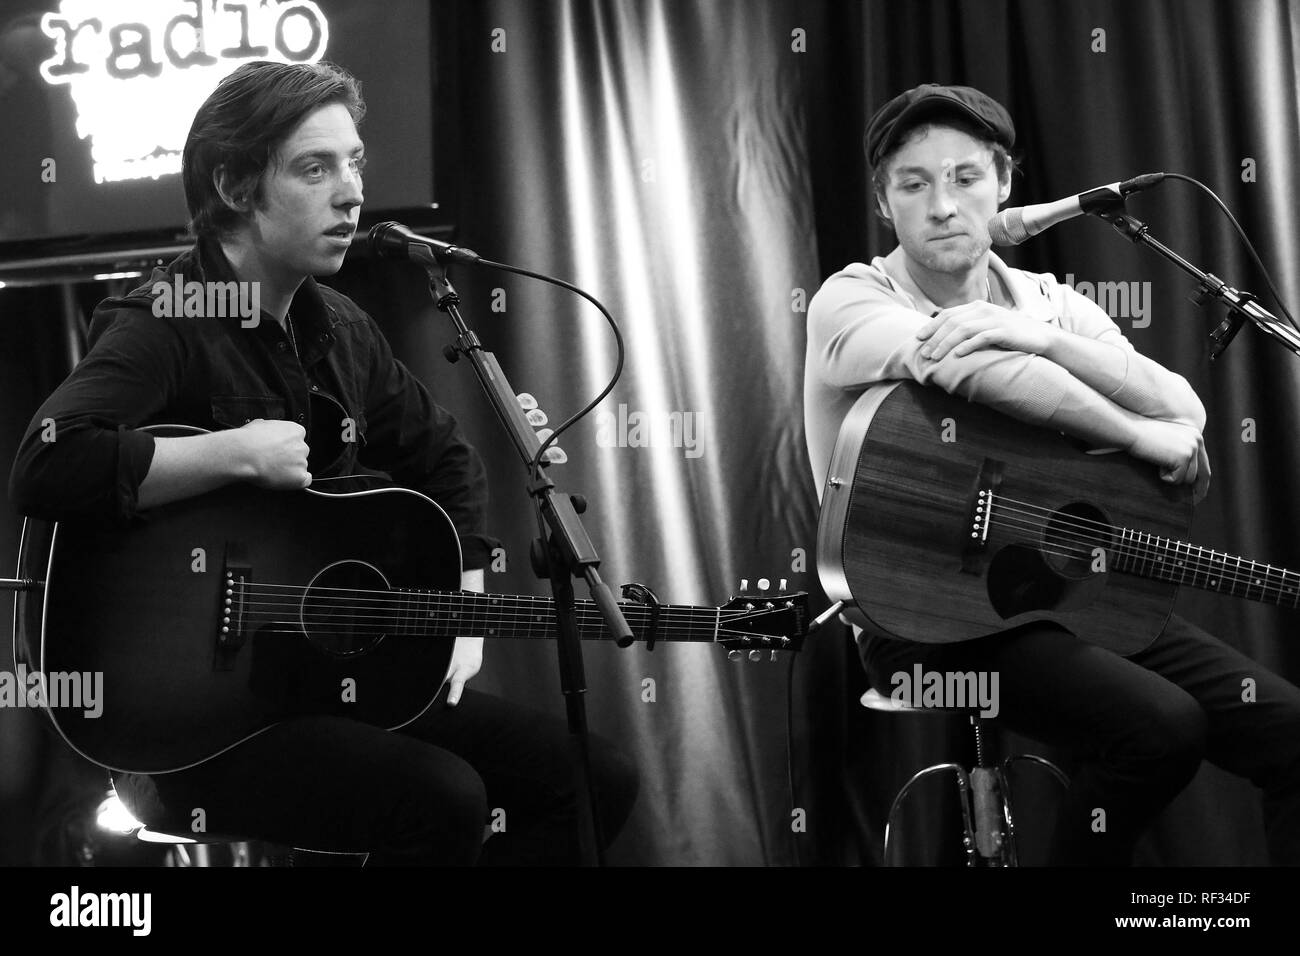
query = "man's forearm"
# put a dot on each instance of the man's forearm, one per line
(189, 466)
(1092, 417)
(1129, 379)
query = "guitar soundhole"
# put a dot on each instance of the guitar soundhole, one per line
(346, 611)
(1057, 575)
(1072, 539)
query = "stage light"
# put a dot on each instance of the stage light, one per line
(114, 817)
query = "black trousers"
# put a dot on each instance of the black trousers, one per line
(1141, 725)
(419, 796)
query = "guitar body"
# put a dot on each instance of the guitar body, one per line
(902, 538)
(144, 607)
(210, 620)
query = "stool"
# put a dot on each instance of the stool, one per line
(984, 793)
(195, 849)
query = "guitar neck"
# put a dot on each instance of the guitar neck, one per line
(1181, 563)
(421, 613)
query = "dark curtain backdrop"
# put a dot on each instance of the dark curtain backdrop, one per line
(698, 167)
(654, 154)
(1191, 87)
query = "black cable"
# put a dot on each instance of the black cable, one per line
(789, 753)
(535, 465)
(1268, 279)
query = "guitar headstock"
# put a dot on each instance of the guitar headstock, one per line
(763, 620)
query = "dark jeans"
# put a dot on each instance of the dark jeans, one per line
(421, 795)
(1141, 725)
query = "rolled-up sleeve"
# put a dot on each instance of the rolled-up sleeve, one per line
(82, 456)
(421, 445)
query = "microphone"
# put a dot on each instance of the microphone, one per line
(392, 240)
(1013, 226)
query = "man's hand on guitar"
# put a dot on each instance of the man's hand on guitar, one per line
(982, 325)
(275, 454)
(1178, 450)
(467, 655)
(466, 659)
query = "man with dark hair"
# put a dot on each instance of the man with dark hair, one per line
(272, 175)
(943, 310)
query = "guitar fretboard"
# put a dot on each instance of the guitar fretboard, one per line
(757, 623)
(420, 613)
(1181, 563)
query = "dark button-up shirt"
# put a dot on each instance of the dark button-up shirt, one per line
(357, 402)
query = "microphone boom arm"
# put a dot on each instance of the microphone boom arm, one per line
(1241, 305)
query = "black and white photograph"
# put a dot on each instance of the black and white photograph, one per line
(844, 443)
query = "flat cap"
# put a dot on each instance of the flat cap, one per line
(928, 100)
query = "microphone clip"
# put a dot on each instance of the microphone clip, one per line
(1111, 209)
(1226, 330)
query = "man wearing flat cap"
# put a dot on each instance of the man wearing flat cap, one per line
(942, 310)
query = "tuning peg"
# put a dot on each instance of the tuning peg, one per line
(556, 455)
(733, 655)
(536, 417)
(764, 584)
(744, 585)
(755, 656)
(526, 401)
(784, 585)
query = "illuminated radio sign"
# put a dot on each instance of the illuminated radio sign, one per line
(138, 70)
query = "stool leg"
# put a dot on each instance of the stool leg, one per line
(1009, 856)
(1043, 762)
(1005, 783)
(179, 856)
(963, 788)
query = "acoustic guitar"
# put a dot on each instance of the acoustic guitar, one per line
(216, 617)
(944, 520)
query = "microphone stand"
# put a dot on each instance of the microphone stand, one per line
(1241, 305)
(567, 553)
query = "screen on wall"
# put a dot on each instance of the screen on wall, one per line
(97, 97)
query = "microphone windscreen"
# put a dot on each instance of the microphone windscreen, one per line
(1007, 228)
(385, 240)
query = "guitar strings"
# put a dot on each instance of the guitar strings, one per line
(1220, 579)
(1135, 542)
(452, 597)
(360, 599)
(328, 626)
(337, 617)
(1149, 552)
(383, 613)
(1133, 547)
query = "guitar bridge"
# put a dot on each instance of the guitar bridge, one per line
(976, 533)
(232, 625)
